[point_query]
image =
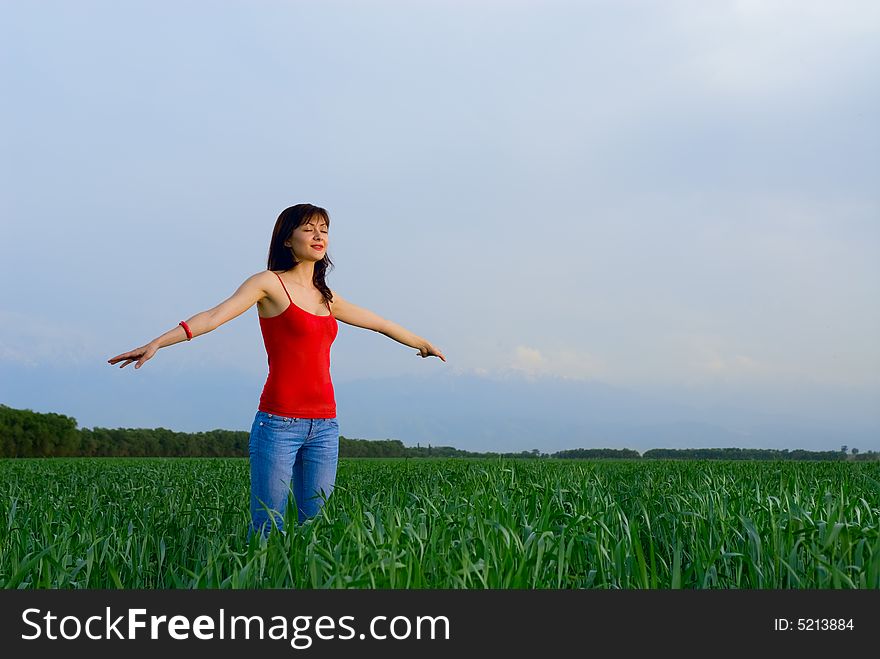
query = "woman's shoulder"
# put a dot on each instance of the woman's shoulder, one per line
(266, 280)
(264, 276)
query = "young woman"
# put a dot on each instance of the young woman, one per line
(294, 436)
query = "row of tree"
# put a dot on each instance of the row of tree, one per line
(28, 434)
(748, 454)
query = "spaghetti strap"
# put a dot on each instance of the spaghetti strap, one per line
(284, 287)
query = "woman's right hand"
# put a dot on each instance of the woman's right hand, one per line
(140, 355)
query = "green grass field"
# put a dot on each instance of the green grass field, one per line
(182, 523)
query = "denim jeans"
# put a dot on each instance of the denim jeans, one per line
(284, 450)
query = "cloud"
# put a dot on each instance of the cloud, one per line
(711, 357)
(557, 362)
(529, 359)
(734, 364)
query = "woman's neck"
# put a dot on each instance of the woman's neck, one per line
(302, 275)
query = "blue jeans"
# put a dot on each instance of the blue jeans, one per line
(284, 449)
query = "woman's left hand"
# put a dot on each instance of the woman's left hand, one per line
(428, 350)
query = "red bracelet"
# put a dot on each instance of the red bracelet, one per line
(189, 334)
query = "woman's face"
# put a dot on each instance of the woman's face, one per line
(309, 240)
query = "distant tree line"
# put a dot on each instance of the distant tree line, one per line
(595, 453)
(29, 434)
(24, 433)
(750, 454)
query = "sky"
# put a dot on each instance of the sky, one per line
(672, 203)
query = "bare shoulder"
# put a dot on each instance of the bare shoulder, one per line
(260, 285)
(269, 282)
(253, 290)
(264, 279)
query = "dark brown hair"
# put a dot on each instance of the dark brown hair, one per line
(281, 257)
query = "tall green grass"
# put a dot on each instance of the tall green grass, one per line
(182, 523)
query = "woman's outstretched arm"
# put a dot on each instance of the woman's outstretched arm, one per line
(248, 294)
(359, 317)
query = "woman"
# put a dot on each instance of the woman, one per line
(294, 436)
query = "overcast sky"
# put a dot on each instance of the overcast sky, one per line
(667, 196)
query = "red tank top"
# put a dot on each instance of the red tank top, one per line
(298, 350)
